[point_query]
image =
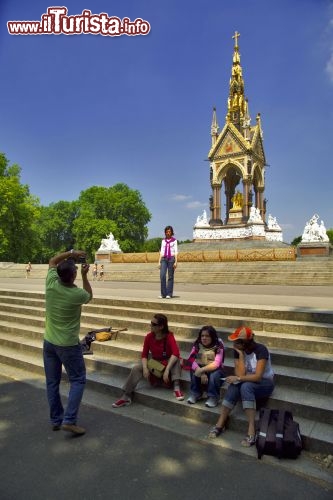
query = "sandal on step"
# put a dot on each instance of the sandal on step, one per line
(215, 432)
(248, 441)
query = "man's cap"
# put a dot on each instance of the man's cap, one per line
(243, 333)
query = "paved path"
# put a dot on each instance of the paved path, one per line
(312, 297)
(125, 459)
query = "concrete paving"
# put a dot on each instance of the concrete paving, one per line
(309, 297)
(122, 458)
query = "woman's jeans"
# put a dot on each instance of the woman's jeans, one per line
(72, 359)
(248, 392)
(214, 384)
(167, 267)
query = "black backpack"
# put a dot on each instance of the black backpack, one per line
(278, 434)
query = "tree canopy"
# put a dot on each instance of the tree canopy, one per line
(55, 229)
(84, 222)
(31, 232)
(18, 212)
(117, 209)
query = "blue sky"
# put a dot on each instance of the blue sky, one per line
(86, 110)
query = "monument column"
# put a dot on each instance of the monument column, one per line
(216, 220)
(246, 203)
(259, 202)
(228, 203)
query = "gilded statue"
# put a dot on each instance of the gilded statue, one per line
(237, 200)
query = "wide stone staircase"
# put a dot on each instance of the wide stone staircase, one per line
(300, 341)
(299, 272)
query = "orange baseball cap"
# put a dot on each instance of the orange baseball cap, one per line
(243, 332)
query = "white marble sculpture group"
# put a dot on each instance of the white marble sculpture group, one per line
(314, 232)
(254, 227)
(109, 244)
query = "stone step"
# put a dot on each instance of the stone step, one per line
(109, 353)
(276, 333)
(317, 436)
(305, 278)
(260, 319)
(312, 390)
(299, 272)
(285, 358)
(222, 322)
(35, 317)
(271, 265)
(137, 306)
(300, 342)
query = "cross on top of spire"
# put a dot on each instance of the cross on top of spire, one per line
(235, 36)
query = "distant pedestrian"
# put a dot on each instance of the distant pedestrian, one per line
(168, 263)
(28, 268)
(101, 273)
(94, 272)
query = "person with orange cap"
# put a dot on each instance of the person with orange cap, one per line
(254, 378)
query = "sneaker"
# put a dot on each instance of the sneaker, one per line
(179, 395)
(193, 399)
(168, 297)
(73, 428)
(215, 432)
(161, 297)
(121, 402)
(248, 441)
(211, 402)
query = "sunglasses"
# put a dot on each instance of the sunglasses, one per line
(154, 324)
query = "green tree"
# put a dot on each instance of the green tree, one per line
(296, 241)
(152, 245)
(18, 212)
(55, 228)
(329, 233)
(117, 209)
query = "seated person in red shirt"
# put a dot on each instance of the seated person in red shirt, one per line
(161, 344)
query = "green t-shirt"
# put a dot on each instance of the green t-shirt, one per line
(63, 310)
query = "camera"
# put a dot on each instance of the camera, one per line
(77, 260)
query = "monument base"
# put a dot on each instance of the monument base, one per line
(235, 217)
(314, 249)
(105, 256)
(252, 231)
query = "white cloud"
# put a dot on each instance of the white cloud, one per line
(196, 204)
(329, 68)
(180, 197)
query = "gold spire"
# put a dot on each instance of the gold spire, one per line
(237, 106)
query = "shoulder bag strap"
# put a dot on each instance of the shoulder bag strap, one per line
(262, 433)
(280, 432)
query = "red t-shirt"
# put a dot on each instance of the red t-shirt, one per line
(156, 347)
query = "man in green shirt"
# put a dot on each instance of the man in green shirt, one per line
(61, 339)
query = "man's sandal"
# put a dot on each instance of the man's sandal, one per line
(248, 441)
